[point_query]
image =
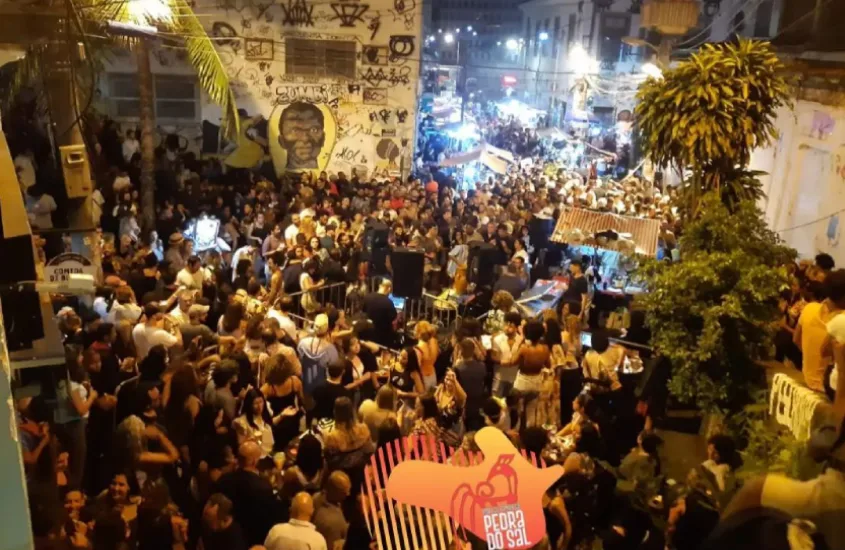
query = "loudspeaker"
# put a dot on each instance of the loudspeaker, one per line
(408, 265)
(539, 231)
(76, 170)
(376, 235)
(482, 263)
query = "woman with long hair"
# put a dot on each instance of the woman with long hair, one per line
(308, 470)
(348, 446)
(429, 350)
(283, 392)
(233, 320)
(75, 398)
(310, 282)
(406, 377)
(356, 377)
(255, 423)
(531, 359)
(181, 407)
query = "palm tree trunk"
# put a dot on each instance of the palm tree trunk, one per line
(145, 95)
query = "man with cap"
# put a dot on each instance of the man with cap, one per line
(174, 252)
(196, 328)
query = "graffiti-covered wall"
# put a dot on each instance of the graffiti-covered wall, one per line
(320, 84)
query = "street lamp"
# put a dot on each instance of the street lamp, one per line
(651, 70)
(469, 27)
(512, 44)
(448, 38)
(581, 62)
(662, 52)
(543, 36)
(146, 12)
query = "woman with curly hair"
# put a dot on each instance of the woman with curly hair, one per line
(283, 393)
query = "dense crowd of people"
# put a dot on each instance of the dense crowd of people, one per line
(231, 398)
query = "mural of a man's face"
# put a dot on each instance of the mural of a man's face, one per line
(302, 134)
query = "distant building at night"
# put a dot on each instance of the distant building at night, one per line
(551, 29)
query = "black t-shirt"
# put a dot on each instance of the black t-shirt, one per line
(254, 507)
(381, 311)
(290, 277)
(141, 284)
(577, 288)
(231, 538)
(324, 397)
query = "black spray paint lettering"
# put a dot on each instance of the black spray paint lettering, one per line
(225, 35)
(268, 79)
(316, 93)
(347, 154)
(374, 55)
(374, 96)
(401, 46)
(258, 49)
(354, 88)
(298, 14)
(392, 77)
(374, 26)
(246, 24)
(402, 6)
(357, 130)
(401, 115)
(349, 12)
(264, 66)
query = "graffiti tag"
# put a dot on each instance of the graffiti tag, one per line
(381, 77)
(298, 14)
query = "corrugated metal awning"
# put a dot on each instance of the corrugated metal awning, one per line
(644, 232)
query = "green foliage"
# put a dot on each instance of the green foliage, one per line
(709, 113)
(96, 14)
(712, 313)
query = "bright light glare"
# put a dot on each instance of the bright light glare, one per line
(474, 33)
(511, 44)
(499, 43)
(470, 172)
(469, 27)
(145, 12)
(580, 61)
(544, 36)
(651, 70)
(448, 38)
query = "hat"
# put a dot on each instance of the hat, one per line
(307, 213)
(198, 309)
(176, 238)
(321, 324)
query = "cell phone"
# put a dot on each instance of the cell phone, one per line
(487, 341)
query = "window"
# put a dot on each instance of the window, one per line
(536, 39)
(763, 19)
(556, 37)
(175, 97)
(614, 26)
(320, 58)
(570, 33)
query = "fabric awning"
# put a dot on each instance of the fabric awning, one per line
(643, 232)
(492, 157)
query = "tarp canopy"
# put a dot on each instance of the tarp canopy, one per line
(579, 226)
(492, 157)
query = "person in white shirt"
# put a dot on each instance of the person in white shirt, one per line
(25, 170)
(150, 333)
(292, 231)
(299, 533)
(245, 252)
(130, 146)
(40, 207)
(181, 313)
(280, 313)
(506, 345)
(192, 276)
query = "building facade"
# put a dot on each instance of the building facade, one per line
(348, 70)
(553, 28)
(478, 31)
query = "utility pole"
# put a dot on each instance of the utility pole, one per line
(463, 79)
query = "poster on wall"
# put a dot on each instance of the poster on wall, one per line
(302, 137)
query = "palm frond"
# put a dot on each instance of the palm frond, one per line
(23, 73)
(210, 70)
(102, 12)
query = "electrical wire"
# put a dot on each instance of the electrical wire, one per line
(735, 10)
(807, 224)
(800, 19)
(731, 30)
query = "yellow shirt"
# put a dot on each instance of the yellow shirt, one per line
(813, 335)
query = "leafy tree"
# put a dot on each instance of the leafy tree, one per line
(86, 23)
(712, 314)
(707, 114)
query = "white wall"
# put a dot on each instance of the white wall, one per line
(366, 118)
(806, 181)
